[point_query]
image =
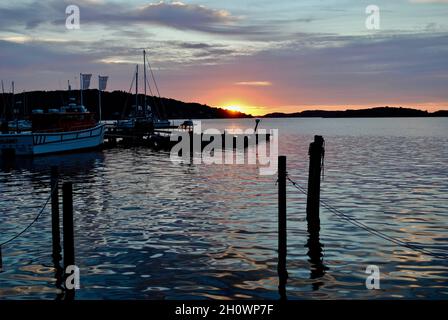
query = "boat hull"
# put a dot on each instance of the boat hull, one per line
(24, 144)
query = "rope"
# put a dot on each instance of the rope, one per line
(372, 231)
(32, 222)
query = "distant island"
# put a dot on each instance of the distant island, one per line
(114, 104)
(117, 104)
(380, 112)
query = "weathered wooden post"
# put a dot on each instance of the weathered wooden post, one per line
(316, 153)
(282, 242)
(55, 231)
(69, 243)
(317, 267)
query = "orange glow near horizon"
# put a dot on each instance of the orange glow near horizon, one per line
(251, 100)
(238, 106)
(259, 101)
(234, 108)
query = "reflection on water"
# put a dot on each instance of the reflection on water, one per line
(315, 254)
(147, 228)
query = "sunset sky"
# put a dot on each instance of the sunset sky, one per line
(252, 56)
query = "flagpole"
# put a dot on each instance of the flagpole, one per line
(136, 89)
(81, 87)
(99, 98)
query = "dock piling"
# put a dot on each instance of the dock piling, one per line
(315, 247)
(282, 234)
(55, 230)
(316, 154)
(69, 243)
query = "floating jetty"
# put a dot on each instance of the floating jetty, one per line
(164, 138)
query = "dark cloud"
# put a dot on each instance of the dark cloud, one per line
(38, 56)
(27, 16)
(203, 50)
(214, 53)
(176, 15)
(190, 45)
(180, 15)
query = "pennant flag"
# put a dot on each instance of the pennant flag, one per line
(102, 82)
(85, 81)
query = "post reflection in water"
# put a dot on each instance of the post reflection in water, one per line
(58, 274)
(315, 254)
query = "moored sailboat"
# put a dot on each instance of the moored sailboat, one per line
(143, 116)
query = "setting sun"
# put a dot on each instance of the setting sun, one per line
(238, 106)
(234, 108)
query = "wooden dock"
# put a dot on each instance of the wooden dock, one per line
(160, 138)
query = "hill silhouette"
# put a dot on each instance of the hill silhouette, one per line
(117, 104)
(380, 112)
(114, 104)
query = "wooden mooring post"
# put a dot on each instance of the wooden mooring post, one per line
(316, 153)
(315, 251)
(69, 243)
(282, 234)
(55, 230)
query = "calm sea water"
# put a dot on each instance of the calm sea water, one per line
(147, 228)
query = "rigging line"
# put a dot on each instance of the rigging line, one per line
(152, 97)
(153, 78)
(157, 88)
(150, 90)
(127, 97)
(369, 229)
(32, 222)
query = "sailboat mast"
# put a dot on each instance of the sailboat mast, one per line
(4, 100)
(144, 73)
(14, 109)
(24, 102)
(13, 100)
(136, 88)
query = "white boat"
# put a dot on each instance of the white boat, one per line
(71, 128)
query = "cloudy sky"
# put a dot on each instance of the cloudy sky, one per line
(258, 56)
